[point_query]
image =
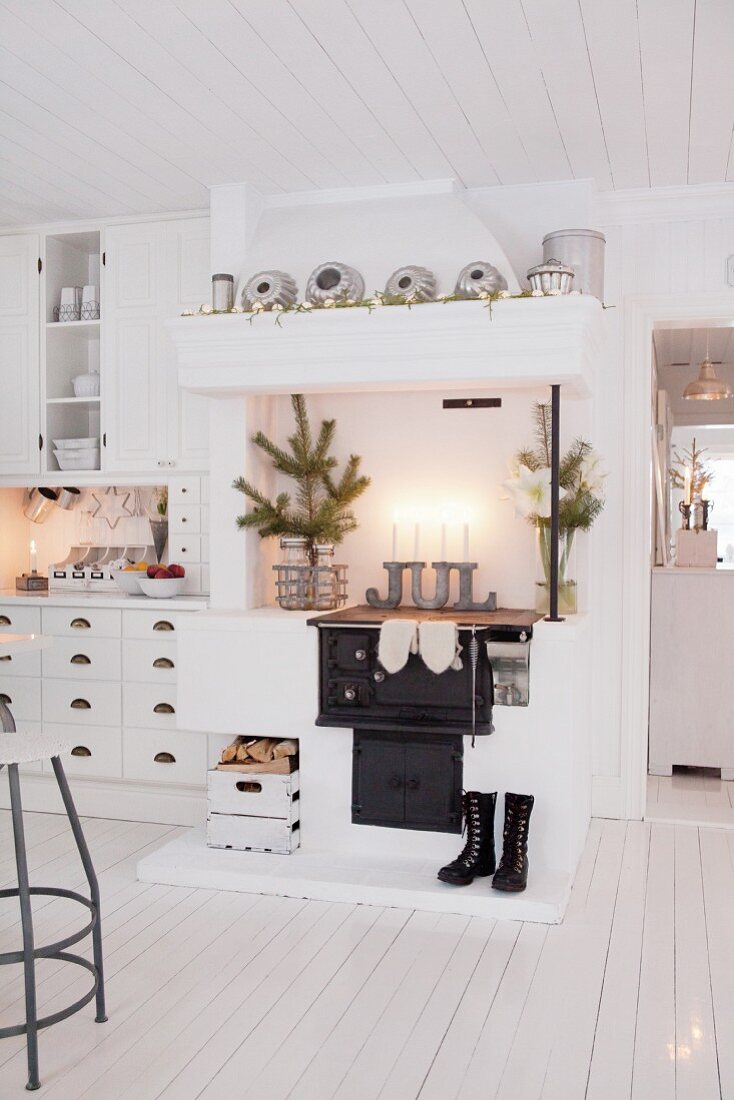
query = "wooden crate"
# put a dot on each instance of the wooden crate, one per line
(253, 811)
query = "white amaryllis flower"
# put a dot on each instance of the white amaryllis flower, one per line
(305, 305)
(485, 294)
(530, 491)
(257, 307)
(593, 474)
(207, 309)
(536, 293)
(276, 307)
(554, 292)
(377, 301)
(329, 303)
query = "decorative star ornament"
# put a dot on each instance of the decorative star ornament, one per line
(112, 507)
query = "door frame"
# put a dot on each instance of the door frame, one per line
(642, 315)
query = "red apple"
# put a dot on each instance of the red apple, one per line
(177, 570)
(163, 575)
(152, 570)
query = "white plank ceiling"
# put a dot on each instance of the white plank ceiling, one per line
(116, 107)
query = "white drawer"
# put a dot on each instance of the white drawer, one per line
(83, 659)
(159, 624)
(184, 518)
(86, 622)
(184, 490)
(253, 795)
(184, 548)
(96, 703)
(149, 706)
(23, 695)
(97, 751)
(35, 765)
(165, 756)
(149, 662)
(193, 580)
(20, 664)
(18, 619)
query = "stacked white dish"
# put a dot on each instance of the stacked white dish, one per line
(77, 454)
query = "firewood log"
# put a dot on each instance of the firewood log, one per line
(285, 748)
(230, 752)
(262, 751)
(242, 754)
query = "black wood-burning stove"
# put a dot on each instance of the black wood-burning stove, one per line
(408, 726)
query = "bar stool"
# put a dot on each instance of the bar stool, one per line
(15, 749)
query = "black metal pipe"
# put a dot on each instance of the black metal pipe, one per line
(554, 617)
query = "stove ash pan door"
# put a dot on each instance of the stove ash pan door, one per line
(407, 780)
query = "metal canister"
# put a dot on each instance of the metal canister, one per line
(222, 292)
(39, 504)
(68, 497)
(583, 250)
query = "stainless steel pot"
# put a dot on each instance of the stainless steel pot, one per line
(583, 250)
(40, 504)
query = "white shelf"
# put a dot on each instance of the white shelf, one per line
(72, 400)
(523, 343)
(76, 326)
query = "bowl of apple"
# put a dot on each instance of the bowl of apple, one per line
(163, 581)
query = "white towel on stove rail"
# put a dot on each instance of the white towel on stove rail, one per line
(439, 647)
(398, 639)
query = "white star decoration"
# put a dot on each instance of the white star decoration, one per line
(112, 507)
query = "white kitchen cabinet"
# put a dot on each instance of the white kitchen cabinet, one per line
(154, 271)
(19, 355)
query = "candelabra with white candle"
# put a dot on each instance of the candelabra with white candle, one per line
(32, 581)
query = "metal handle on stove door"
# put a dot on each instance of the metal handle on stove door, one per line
(395, 782)
(413, 784)
(350, 694)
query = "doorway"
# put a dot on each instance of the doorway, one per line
(691, 750)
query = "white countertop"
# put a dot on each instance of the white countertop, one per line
(66, 598)
(723, 570)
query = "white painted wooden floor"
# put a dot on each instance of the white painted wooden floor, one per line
(226, 995)
(691, 795)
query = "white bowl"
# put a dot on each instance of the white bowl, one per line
(85, 459)
(86, 385)
(159, 589)
(128, 581)
(76, 444)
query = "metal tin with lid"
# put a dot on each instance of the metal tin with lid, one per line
(583, 250)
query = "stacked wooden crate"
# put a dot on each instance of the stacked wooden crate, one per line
(254, 800)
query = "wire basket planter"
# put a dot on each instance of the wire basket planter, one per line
(310, 587)
(88, 311)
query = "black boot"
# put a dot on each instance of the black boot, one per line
(512, 873)
(477, 859)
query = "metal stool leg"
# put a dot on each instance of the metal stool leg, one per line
(26, 918)
(89, 871)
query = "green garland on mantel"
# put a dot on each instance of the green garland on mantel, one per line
(377, 301)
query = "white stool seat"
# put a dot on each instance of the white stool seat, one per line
(25, 748)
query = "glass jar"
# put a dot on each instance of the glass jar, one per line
(323, 577)
(567, 587)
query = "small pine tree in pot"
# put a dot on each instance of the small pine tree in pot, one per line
(320, 510)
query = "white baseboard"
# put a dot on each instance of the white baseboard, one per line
(97, 798)
(606, 796)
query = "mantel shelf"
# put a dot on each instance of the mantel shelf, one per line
(523, 343)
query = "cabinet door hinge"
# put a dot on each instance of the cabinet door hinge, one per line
(104, 259)
(40, 442)
(40, 265)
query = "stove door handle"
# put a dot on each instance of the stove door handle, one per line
(413, 784)
(395, 782)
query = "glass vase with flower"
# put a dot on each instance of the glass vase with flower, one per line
(581, 501)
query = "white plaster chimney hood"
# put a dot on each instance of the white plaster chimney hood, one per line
(523, 342)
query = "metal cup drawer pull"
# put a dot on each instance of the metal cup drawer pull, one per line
(80, 704)
(80, 659)
(7, 657)
(164, 758)
(81, 750)
(163, 624)
(5, 621)
(81, 624)
(163, 662)
(6, 699)
(163, 708)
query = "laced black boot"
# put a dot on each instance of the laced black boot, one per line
(477, 858)
(512, 873)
